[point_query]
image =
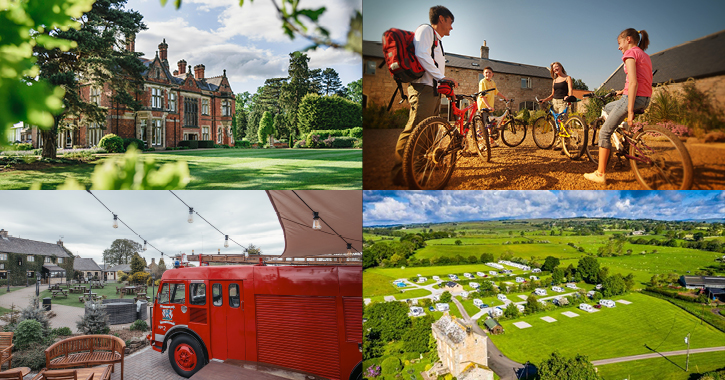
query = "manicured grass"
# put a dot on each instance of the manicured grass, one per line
(441, 271)
(228, 169)
(471, 309)
(109, 291)
(620, 331)
(4, 310)
(415, 293)
(376, 284)
(669, 368)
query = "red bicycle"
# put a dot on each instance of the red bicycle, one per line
(433, 147)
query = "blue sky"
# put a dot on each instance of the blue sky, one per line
(579, 34)
(247, 41)
(401, 207)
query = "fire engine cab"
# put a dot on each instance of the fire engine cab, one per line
(302, 317)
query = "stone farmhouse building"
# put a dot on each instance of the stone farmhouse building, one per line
(178, 105)
(24, 260)
(515, 80)
(701, 59)
(87, 268)
(462, 351)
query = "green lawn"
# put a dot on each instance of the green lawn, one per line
(620, 331)
(670, 368)
(441, 271)
(376, 284)
(415, 293)
(228, 169)
(109, 291)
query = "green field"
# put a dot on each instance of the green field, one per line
(620, 331)
(670, 368)
(109, 291)
(227, 169)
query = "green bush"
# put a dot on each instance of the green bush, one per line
(190, 144)
(139, 325)
(243, 143)
(328, 112)
(206, 144)
(391, 365)
(28, 332)
(139, 143)
(344, 142)
(356, 132)
(81, 155)
(22, 146)
(62, 331)
(35, 311)
(95, 320)
(300, 144)
(32, 357)
(112, 143)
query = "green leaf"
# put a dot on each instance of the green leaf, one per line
(312, 14)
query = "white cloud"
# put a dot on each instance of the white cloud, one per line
(323, 57)
(392, 210)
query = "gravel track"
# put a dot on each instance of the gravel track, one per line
(530, 168)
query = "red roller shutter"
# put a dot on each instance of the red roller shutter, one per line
(353, 318)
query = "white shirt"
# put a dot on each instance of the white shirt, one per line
(423, 42)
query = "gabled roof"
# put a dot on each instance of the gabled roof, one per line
(491, 323)
(705, 281)
(700, 58)
(375, 49)
(85, 264)
(30, 247)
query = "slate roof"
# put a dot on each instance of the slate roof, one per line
(451, 329)
(123, 268)
(208, 84)
(85, 264)
(53, 268)
(700, 58)
(30, 247)
(703, 281)
(375, 49)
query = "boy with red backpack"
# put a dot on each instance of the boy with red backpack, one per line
(422, 95)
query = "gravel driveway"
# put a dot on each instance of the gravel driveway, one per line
(528, 167)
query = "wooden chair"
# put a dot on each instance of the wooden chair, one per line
(102, 373)
(15, 373)
(6, 349)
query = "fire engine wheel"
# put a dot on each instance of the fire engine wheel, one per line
(186, 356)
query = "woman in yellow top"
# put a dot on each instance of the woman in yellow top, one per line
(488, 100)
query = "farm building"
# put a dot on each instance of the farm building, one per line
(23, 260)
(701, 282)
(461, 349)
(493, 326)
(714, 293)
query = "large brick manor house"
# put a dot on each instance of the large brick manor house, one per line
(178, 105)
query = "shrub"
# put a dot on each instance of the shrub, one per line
(28, 332)
(206, 144)
(189, 144)
(314, 141)
(138, 142)
(139, 325)
(328, 142)
(356, 132)
(62, 331)
(112, 143)
(391, 365)
(300, 144)
(140, 277)
(243, 143)
(32, 357)
(23, 146)
(95, 320)
(344, 142)
(328, 112)
(358, 143)
(35, 311)
(81, 155)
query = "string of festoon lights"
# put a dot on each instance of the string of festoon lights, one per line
(191, 220)
(317, 226)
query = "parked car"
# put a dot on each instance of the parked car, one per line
(598, 306)
(431, 308)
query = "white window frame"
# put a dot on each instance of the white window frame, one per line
(60, 260)
(172, 101)
(205, 106)
(142, 130)
(94, 135)
(3, 256)
(219, 135)
(31, 259)
(48, 260)
(2, 266)
(526, 82)
(95, 95)
(205, 133)
(156, 98)
(156, 132)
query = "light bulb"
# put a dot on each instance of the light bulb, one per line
(144, 245)
(226, 241)
(316, 221)
(115, 221)
(349, 249)
(191, 215)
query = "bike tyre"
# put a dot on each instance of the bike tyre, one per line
(416, 155)
(592, 148)
(516, 132)
(574, 145)
(661, 174)
(543, 132)
(481, 139)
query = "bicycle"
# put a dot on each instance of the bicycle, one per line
(659, 160)
(432, 148)
(508, 126)
(572, 131)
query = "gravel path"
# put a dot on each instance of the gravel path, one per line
(528, 167)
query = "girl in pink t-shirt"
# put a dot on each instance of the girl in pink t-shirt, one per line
(636, 93)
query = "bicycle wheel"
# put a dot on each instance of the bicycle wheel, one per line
(429, 158)
(481, 140)
(513, 132)
(592, 148)
(661, 161)
(543, 131)
(576, 142)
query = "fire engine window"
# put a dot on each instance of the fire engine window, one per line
(164, 294)
(233, 295)
(216, 294)
(197, 294)
(178, 293)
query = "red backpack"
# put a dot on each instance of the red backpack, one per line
(399, 54)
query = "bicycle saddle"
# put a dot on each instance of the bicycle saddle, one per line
(571, 99)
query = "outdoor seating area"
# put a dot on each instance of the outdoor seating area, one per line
(84, 351)
(15, 373)
(100, 373)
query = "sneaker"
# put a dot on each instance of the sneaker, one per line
(597, 177)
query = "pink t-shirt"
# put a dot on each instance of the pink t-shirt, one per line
(644, 71)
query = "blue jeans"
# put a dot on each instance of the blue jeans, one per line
(616, 113)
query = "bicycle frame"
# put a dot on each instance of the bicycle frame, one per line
(560, 130)
(460, 114)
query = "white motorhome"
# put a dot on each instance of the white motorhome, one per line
(496, 312)
(586, 307)
(540, 292)
(607, 303)
(502, 297)
(536, 270)
(571, 285)
(416, 311)
(436, 278)
(520, 279)
(422, 279)
(468, 275)
(477, 302)
(474, 285)
(442, 307)
(480, 274)
(557, 289)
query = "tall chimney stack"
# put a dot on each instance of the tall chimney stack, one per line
(163, 49)
(484, 50)
(199, 71)
(3, 233)
(182, 67)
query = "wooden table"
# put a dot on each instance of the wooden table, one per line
(23, 371)
(59, 292)
(129, 289)
(99, 373)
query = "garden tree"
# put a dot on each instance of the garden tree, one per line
(283, 128)
(486, 288)
(138, 264)
(698, 236)
(511, 311)
(580, 85)
(317, 112)
(266, 128)
(558, 367)
(397, 260)
(446, 296)
(603, 274)
(99, 58)
(373, 346)
(28, 97)
(629, 282)
(389, 319)
(472, 259)
(121, 251)
(315, 78)
(268, 96)
(588, 267)
(557, 276)
(331, 83)
(417, 336)
(487, 257)
(354, 91)
(254, 115)
(297, 85)
(550, 263)
(613, 285)
(160, 269)
(532, 304)
(416, 239)
(570, 271)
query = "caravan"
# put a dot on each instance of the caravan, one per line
(468, 275)
(478, 303)
(557, 289)
(586, 307)
(607, 303)
(540, 292)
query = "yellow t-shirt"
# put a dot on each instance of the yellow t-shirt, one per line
(485, 84)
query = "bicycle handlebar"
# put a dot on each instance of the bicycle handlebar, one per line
(602, 97)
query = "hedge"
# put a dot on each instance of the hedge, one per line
(344, 142)
(192, 144)
(328, 112)
(112, 143)
(206, 144)
(356, 132)
(243, 144)
(139, 143)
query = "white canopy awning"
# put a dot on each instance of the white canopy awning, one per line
(340, 213)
